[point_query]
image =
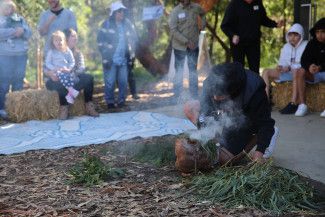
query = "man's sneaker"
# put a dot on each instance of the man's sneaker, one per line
(291, 108)
(121, 105)
(63, 112)
(111, 106)
(322, 114)
(135, 96)
(269, 150)
(69, 98)
(3, 114)
(302, 110)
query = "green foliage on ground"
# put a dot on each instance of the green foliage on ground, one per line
(262, 186)
(92, 171)
(159, 154)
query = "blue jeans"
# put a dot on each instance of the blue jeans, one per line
(111, 75)
(12, 72)
(192, 57)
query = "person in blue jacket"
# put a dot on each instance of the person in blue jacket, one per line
(14, 35)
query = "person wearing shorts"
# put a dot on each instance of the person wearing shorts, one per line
(288, 65)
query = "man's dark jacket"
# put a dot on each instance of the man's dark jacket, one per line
(245, 20)
(252, 103)
(314, 52)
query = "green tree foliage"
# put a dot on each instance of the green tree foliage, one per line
(91, 13)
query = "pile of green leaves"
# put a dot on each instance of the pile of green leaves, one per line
(262, 186)
(159, 154)
(92, 171)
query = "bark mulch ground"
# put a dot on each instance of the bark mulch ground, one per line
(36, 183)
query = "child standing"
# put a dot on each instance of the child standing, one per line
(60, 60)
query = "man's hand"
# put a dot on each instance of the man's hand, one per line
(192, 110)
(235, 39)
(282, 69)
(313, 69)
(191, 45)
(52, 75)
(280, 24)
(258, 157)
(19, 32)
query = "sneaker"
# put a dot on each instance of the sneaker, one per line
(3, 114)
(269, 150)
(90, 109)
(322, 114)
(302, 110)
(69, 98)
(63, 112)
(135, 96)
(111, 106)
(121, 105)
(291, 108)
(73, 92)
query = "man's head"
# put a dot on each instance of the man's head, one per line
(54, 4)
(295, 34)
(249, 1)
(7, 8)
(228, 81)
(294, 38)
(318, 31)
(185, 2)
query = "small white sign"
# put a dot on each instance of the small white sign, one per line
(256, 7)
(181, 15)
(152, 13)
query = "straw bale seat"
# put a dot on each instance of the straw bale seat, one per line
(41, 104)
(315, 95)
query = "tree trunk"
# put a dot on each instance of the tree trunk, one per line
(144, 54)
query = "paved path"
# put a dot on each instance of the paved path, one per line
(301, 144)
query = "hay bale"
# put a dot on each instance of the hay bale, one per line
(281, 94)
(38, 105)
(315, 95)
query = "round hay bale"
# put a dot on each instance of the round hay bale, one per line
(35, 104)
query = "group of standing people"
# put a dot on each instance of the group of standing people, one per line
(64, 65)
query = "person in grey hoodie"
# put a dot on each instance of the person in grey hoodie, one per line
(14, 35)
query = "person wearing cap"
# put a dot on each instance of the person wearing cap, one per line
(53, 19)
(116, 41)
(313, 64)
(235, 99)
(242, 24)
(185, 30)
(288, 65)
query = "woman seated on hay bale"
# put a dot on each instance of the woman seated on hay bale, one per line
(86, 81)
